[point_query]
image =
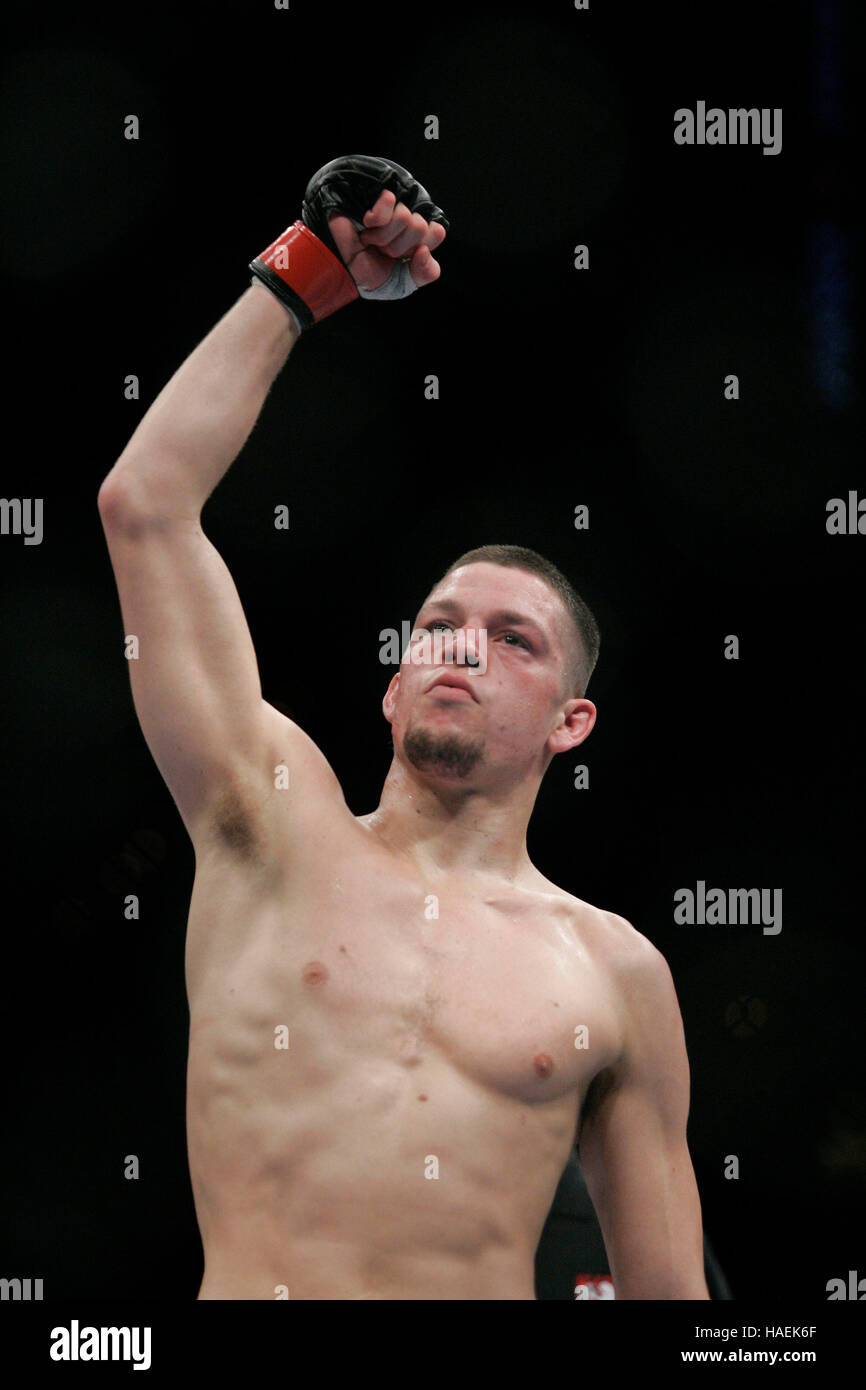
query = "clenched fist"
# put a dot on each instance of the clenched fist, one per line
(367, 230)
(390, 232)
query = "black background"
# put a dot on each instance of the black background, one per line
(558, 387)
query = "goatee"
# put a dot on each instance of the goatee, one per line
(442, 752)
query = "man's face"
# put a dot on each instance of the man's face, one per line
(509, 720)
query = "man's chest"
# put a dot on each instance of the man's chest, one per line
(362, 964)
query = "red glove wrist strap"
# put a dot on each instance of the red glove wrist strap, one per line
(307, 267)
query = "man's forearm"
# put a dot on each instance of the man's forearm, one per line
(201, 419)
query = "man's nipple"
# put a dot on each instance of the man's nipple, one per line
(543, 1064)
(315, 973)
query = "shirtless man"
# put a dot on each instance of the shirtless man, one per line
(398, 1026)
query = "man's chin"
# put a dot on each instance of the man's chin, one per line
(442, 755)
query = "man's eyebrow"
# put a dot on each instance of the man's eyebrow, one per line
(502, 615)
(505, 615)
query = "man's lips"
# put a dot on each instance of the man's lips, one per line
(453, 683)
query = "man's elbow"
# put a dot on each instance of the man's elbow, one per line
(685, 1283)
(695, 1291)
(663, 1284)
(660, 1292)
(114, 499)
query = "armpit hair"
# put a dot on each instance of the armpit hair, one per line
(238, 826)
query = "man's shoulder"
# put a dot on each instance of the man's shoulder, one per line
(622, 945)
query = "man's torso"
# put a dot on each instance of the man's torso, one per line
(386, 1066)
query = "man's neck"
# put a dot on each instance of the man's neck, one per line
(446, 828)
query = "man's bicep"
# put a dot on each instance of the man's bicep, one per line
(633, 1147)
(192, 666)
(641, 1181)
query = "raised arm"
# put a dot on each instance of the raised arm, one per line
(195, 680)
(632, 1143)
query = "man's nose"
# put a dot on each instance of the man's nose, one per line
(463, 646)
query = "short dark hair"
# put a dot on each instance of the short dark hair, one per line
(585, 650)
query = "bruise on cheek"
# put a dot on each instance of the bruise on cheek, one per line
(315, 973)
(543, 1064)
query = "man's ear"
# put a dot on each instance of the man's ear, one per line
(389, 701)
(576, 724)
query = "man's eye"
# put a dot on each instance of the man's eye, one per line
(439, 622)
(518, 638)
